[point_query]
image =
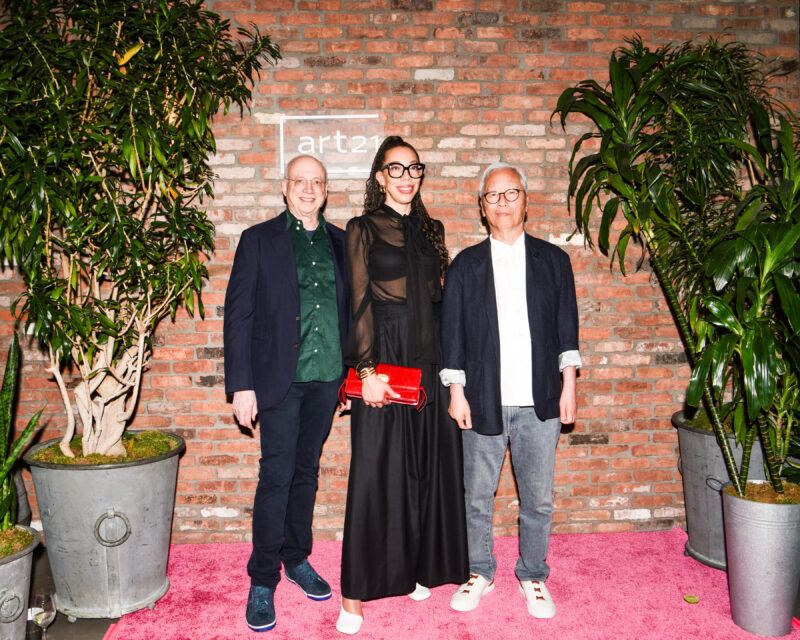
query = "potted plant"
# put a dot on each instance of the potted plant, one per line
(17, 542)
(676, 128)
(755, 310)
(104, 149)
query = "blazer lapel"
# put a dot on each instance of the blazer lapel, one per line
(283, 256)
(531, 276)
(484, 290)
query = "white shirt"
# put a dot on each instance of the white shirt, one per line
(516, 365)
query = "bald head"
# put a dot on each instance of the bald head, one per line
(305, 188)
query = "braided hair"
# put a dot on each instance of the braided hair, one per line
(375, 197)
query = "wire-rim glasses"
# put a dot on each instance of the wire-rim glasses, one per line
(397, 169)
(510, 195)
(316, 184)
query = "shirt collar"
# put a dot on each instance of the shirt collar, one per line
(293, 222)
(517, 247)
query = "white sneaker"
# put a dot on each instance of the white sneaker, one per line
(470, 593)
(420, 593)
(537, 597)
(348, 623)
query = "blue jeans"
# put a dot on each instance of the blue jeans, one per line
(533, 456)
(292, 434)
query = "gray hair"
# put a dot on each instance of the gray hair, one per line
(496, 166)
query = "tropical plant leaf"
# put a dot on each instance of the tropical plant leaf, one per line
(789, 298)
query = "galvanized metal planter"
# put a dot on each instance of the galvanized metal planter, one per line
(15, 582)
(703, 473)
(107, 531)
(763, 545)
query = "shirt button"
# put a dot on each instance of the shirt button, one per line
(316, 284)
(316, 328)
(315, 350)
(316, 306)
(313, 264)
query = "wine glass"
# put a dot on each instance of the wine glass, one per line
(43, 609)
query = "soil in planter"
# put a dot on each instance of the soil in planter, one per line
(763, 492)
(700, 420)
(13, 540)
(141, 445)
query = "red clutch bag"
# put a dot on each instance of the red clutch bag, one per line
(407, 381)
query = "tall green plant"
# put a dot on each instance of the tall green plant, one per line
(104, 147)
(10, 452)
(666, 163)
(755, 302)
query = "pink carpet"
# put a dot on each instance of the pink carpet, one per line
(606, 586)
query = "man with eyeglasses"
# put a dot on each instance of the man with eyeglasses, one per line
(510, 347)
(286, 320)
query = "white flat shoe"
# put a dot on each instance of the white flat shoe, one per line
(537, 598)
(420, 593)
(470, 593)
(348, 623)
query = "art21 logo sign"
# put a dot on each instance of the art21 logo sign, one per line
(346, 144)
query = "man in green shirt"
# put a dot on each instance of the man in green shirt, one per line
(286, 316)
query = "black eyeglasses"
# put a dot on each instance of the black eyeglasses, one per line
(396, 170)
(493, 197)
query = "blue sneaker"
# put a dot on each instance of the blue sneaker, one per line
(260, 608)
(304, 576)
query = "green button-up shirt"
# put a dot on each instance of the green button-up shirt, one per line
(320, 351)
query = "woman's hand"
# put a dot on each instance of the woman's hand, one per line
(374, 391)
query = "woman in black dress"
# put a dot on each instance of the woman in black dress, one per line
(405, 526)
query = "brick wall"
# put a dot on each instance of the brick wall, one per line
(467, 83)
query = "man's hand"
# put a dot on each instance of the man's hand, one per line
(568, 405)
(245, 408)
(374, 391)
(459, 407)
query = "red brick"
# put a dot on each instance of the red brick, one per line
(357, 57)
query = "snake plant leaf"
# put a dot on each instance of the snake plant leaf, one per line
(7, 394)
(7, 500)
(20, 444)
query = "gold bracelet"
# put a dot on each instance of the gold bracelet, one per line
(365, 372)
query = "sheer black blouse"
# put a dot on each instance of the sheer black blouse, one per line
(391, 262)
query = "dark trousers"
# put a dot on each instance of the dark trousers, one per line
(292, 434)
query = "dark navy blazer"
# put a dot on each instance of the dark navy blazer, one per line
(262, 310)
(471, 338)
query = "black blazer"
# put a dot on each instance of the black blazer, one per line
(262, 310)
(471, 338)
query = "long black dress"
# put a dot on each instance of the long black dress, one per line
(405, 521)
